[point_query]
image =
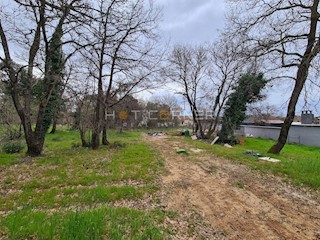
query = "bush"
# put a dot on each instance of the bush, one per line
(12, 147)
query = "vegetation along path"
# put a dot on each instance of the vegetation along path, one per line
(225, 200)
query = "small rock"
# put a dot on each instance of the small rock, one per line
(194, 137)
(268, 159)
(196, 150)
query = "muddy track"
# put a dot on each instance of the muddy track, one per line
(220, 199)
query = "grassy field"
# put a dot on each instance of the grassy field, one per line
(70, 192)
(299, 164)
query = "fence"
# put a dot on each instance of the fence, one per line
(301, 134)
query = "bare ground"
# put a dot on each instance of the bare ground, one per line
(220, 199)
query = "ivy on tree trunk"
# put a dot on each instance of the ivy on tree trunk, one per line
(247, 90)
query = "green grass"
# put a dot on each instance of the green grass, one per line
(57, 198)
(40, 191)
(9, 159)
(299, 164)
(111, 223)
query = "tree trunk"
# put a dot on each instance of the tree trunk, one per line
(54, 124)
(95, 141)
(104, 135)
(104, 127)
(301, 79)
(215, 124)
(311, 51)
(83, 138)
(35, 149)
(20, 130)
(35, 144)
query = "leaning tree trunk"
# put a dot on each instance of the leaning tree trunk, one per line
(311, 51)
(301, 79)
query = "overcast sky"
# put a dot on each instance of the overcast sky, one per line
(198, 21)
(192, 21)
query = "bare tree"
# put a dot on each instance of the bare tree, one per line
(261, 112)
(187, 70)
(8, 116)
(166, 99)
(226, 65)
(286, 35)
(204, 76)
(39, 42)
(121, 59)
(80, 93)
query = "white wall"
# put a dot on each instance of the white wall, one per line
(302, 134)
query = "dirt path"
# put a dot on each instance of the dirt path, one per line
(219, 199)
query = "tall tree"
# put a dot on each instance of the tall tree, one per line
(54, 75)
(226, 66)
(286, 35)
(39, 40)
(204, 76)
(121, 58)
(187, 68)
(247, 90)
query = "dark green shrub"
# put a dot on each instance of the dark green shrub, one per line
(13, 147)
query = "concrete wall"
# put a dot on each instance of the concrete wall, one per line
(302, 134)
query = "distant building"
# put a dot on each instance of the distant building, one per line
(186, 121)
(307, 117)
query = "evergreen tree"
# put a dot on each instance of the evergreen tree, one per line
(247, 90)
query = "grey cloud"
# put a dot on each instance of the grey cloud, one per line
(192, 21)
